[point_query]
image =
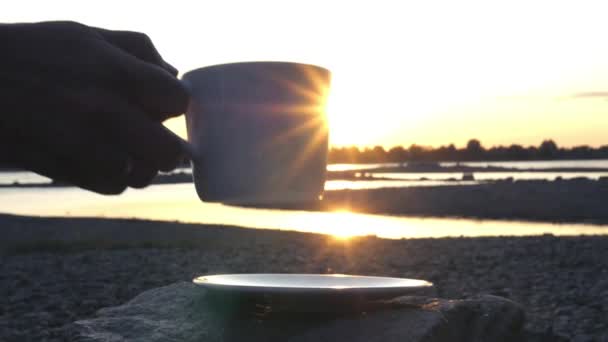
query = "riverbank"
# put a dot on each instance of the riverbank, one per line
(578, 200)
(56, 270)
(418, 171)
(575, 200)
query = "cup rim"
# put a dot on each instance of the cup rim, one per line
(215, 66)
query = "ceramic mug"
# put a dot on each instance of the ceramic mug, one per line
(257, 132)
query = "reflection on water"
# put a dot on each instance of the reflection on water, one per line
(409, 179)
(438, 176)
(349, 167)
(527, 164)
(400, 179)
(377, 184)
(179, 202)
(538, 164)
(22, 177)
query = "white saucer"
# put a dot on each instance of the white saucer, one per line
(297, 285)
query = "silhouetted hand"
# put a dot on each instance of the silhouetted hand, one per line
(85, 105)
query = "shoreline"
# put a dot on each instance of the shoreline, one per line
(364, 174)
(559, 201)
(577, 200)
(87, 264)
(72, 234)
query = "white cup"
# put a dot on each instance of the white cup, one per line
(258, 133)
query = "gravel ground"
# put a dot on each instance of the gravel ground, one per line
(54, 271)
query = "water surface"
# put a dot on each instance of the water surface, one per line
(178, 202)
(486, 176)
(526, 164)
(538, 164)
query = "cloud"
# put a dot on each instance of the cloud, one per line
(591, 95)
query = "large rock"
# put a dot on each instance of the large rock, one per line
(184, 312)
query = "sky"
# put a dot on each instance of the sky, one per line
(403, 72)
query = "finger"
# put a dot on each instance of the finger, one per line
(89, 139)
(100, 169)
(150, 144)
(141, 174)
(125, 126)
(107, 173)
(65, 144)
(137, 44)
(152, 88)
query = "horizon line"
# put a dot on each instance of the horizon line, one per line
(385, 146)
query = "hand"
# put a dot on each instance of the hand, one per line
(85, 105)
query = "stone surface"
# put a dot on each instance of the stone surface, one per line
(185, 312)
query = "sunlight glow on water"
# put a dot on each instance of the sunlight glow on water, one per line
(348, 167)
(538, 164)
(399, 179)
(490, 175)
(178, 202)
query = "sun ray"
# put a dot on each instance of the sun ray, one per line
(312, 123)
(314, 90)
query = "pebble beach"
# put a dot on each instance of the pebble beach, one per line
(57, 270)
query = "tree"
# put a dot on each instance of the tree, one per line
(353, 155)
(416, 152)
(517, 152)
(474, 149)
(548, 149)
(379, 154)
(397, 154)
(582, 152)
(603, 151)
(474, 145)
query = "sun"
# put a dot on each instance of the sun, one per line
(359, 110)
(346, 114)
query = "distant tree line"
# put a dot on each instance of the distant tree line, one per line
(473, 151)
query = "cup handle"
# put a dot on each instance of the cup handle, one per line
(187, 149)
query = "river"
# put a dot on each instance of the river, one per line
(178, 202)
